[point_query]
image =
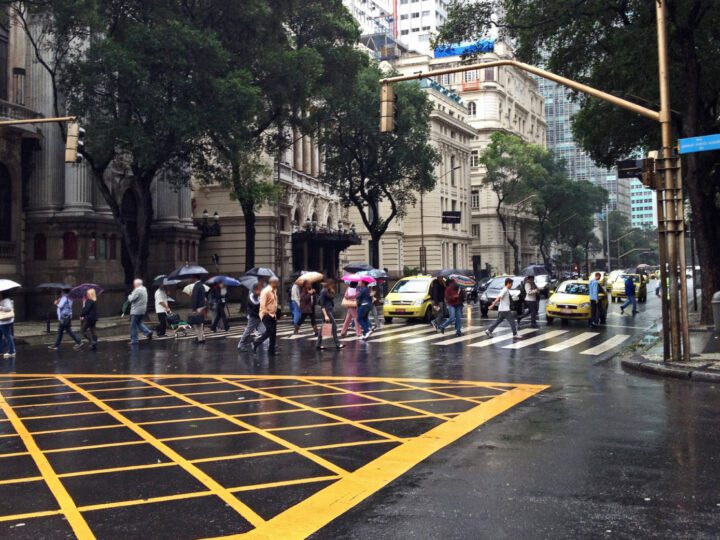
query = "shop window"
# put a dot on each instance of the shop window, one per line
(40, 247)
(70, 246)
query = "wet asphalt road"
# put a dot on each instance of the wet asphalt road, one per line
(601, 453)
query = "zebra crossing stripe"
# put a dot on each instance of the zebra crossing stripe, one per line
(457, 339)
(536, 339)
(393, 330)
(580, 338)
(502, 338)
(466, 337)
(606, 345)
(294, 336)
(403, 335)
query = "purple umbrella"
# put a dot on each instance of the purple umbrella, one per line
(78, 293)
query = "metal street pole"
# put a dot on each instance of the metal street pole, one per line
(607, 236)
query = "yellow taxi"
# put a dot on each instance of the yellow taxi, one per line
(571, 301)
(603, 277)
(409, 299)
(617, 292)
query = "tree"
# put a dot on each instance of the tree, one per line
(366, 168)
(511, 166)
(611, 44)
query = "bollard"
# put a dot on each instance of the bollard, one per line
(716, 311)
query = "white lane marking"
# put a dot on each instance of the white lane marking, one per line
(394, 330)
(293, 336)
(403, 335)
(502, 338)
(468, 337)
(606, 345)
(571, 342)
(537, 339)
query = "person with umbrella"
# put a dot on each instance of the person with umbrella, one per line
(218, 298)
(454, 303)
(307, 306)
(64, 316)
(349, 302)
(327, 304)
(268, 315)
(88, 318)
(532, 301)
(198, 304)
(162, 309)
(253, 313)
(138, 300)
(7, 318)
(437, 295)
(364, 304)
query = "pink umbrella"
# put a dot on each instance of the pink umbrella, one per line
(358, 278)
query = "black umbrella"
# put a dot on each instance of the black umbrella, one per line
(162, 280)
(535, 270)
(358, 267)
(260, 272)
(447, 272)
(60, 286)
(187, 271)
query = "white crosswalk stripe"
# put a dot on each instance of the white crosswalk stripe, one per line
(391, 329)
(571, 342)
(536, 339)
(504, 337)
(606, 345)
(466, 337)
(401, 336)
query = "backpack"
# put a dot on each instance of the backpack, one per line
(523, 292)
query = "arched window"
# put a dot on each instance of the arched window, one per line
(472, 108)
(112, 247)
(70, 246)
(92, 246)
(40, 247)
(5, 205)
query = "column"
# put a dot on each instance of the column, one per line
(166, 202)
(315, 158)
(297, 150)
(78, 189)
(306, 155)
(184, 198)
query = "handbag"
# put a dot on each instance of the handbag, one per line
(326, 329)
(4, 315)
(349, 302)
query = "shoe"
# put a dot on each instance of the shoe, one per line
(534, 326)
(340, 346)
(635, 312)
(458, 334)
(321, 348)
(274, 353)
(370, 332)
(150, 336)
(9, 355)
(488, 333)
(78, 346)
(255, 347)
(53, 348)
(622, 311)
(517, 338)
(243, 348)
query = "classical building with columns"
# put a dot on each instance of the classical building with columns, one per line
(55, 226)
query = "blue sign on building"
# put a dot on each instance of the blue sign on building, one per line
(700, 144)
(482, 46)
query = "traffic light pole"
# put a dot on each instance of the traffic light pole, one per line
(38, 120)
(670, 207)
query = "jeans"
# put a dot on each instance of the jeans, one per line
(87, 328)
(220, 315)
(136, 323)
(6, 337)
(62, 329)
(363, 313)
(253, 324)
(440, 313)
(295, 312)
(333, 324)
(269, 334)
(532, 307)
(375, 316)
(504, 316)
(630, 300)
(455, 313)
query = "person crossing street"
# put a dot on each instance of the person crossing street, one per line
(454, 303)
(630, 294)
(503, 302)
(532, 301)
(595, 300)
(268, 315)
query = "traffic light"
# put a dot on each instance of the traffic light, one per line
(648, 176)
(75, 144)
(388, 109)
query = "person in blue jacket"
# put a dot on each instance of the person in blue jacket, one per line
(630, 293)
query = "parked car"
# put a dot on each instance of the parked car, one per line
(617, 292)
(409, 299)
(571, 301)
(493, 289)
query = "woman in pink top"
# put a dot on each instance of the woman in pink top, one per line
(350, 304)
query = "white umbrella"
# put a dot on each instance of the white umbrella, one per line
(7, 284)
(188, 289)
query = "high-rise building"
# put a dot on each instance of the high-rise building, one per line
(418, 20)
(373, 16)
(643, 206)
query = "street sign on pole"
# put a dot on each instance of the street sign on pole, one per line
(700, 144)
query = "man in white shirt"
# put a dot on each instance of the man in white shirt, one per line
(504, 310)
(162, 309)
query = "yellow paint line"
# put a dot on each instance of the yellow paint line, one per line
(298, 482)
(438, 393)
(135, 502)
(44, 417)
(307, 517)
(68, 430)
(119, 469)
(92, 447)
(282, 442)
(31, 515)
(308, 426)
(243, 456)
(343, 445)
(203, 435)
(203, 478)
(50, 404)
(21, 480)
(184, 405)
(75, 519)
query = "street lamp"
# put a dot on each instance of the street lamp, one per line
(423, 253)
(206, 228)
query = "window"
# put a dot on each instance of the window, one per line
(40, 247)
(404, 32)
(112, 248)
(415, 15)
(475, 198)
(489, 74)
(102, 247)
(18, 83)
(452, 173)
(472, 108)
(70, 246)
(404, 17)
(92, 246)
(474, 159)
(476, 231)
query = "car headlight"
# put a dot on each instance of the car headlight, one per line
(386, 302)
(585, 305)
(418, 302)
(551, 303)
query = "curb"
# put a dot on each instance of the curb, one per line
(671, 371)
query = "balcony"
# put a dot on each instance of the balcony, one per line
(469, 86)
(13, 111)
(8, 251)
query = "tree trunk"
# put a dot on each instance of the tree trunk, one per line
(249, 218)
(375, 250)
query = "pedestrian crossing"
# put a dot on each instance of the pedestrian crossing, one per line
(544, 339)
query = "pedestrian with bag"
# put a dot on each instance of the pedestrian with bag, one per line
(504, 303)
(349, 302)
(198, 305)
(437, 295)
(532, 301)
(138, 299)
(327, 305)
(364, 305)
(307, 307)
(630, 294)
(7, 319)
(88, 318)
(594, 293)
(268, 315)
(295, 311)
(64, 315)
(218, 299)
(162, 310)
(253, 317)
(454, 303)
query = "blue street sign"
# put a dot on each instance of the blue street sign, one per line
(700, 144)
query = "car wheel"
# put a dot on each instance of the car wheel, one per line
(428, 315)
(388, 320)
(549, 320)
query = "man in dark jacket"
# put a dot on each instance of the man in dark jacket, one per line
(454, 302)
(198, 306)
(437, 295)
(630, 293)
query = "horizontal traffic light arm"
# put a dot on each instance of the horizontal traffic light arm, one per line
(38, 120)
(585, 89)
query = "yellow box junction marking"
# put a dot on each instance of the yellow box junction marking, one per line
(273, 398)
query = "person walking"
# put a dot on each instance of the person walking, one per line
(437, 295)
(138, 299)
(7, 318)
(532, 301)
(454, 303)
(88, 318)
(364, 305)
(307, 307)
(349, 302)
(327, 305)
(268, 315)
(295, 311)
(218, 298)
(503, 301)
(64, 317)
(594, 293)
(377, 302)
(162, 310)
(198, 304)
(253, 315)
(630, 293)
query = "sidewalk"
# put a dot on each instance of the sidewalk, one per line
(704, 364)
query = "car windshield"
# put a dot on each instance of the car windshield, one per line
(411, 286)
(570, 287)
(636, 279)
